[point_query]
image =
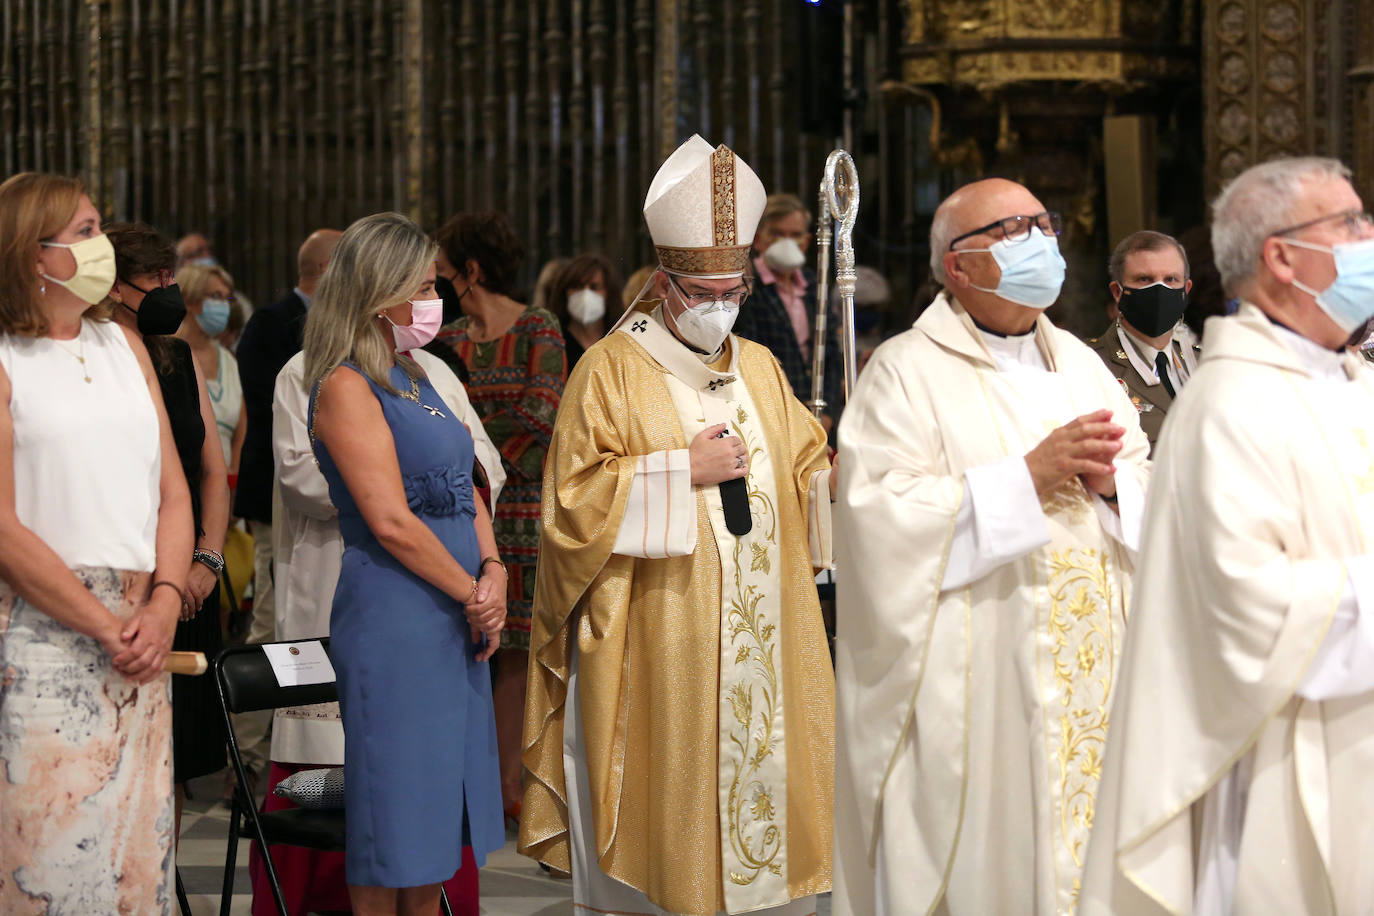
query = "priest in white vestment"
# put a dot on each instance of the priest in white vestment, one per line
(992, 475)
(1239, 776)
(678, 735)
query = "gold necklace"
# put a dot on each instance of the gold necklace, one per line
(79, 357)
(414, 395)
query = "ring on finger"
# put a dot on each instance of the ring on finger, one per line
(739, 461)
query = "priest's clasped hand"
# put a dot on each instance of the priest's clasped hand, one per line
(717, 457)
(1084, 447)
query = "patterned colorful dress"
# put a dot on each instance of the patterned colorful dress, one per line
(516, 383)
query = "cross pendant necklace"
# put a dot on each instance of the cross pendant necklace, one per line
(414, 395)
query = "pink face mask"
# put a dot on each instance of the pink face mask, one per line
(426, 315)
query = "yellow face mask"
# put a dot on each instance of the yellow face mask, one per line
(95, 268)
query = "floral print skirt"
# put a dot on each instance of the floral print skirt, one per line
(85, 766)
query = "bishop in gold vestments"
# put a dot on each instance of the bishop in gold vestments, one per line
(678, 735)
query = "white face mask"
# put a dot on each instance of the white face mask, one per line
(586, 306)
(706, 326)
(784, 256)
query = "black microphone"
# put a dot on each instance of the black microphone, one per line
(734, 499)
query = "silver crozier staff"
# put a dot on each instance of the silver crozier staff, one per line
(838, 208)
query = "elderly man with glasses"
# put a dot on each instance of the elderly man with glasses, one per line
(1238, 769)
(679, 729)
(993, 474)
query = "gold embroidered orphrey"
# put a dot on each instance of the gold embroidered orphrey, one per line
(755, 801)
(723, 260)
(1082, 651)
(723, 196)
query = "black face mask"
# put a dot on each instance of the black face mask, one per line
(453, 308)
(162, 310)
(1152, 310)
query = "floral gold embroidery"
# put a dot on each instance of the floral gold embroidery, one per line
(1069, 499)
(756, 840)
(1083, 652)
(723, 195)
(721, 259)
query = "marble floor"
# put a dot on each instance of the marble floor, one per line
(512, 885)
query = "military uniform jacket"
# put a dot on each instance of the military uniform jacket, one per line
(1151, 401)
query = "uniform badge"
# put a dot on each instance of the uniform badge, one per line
(1120, 354)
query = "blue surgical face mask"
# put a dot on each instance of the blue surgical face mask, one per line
(1349, 300)
(214, 316)
(1032, 269)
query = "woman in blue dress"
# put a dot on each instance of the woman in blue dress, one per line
(421, 597)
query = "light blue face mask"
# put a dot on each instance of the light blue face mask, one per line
(1349, 300)
(214, 316)
(1032, 269)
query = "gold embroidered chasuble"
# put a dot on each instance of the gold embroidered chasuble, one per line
(970, 722)
(703, 804)
(1265, 485)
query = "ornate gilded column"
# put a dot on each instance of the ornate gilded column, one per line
(1020, 89)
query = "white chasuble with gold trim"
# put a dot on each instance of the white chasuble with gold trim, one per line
(752, 735)
(1264, 492)
(970, 721)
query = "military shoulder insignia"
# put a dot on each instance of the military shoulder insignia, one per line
(1121, 354)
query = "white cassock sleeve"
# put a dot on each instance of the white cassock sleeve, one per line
(661, 513)
(819, 536)
(1344, 665)
(303, 488)
(1123, 524)
(999, 521)
(451, 389)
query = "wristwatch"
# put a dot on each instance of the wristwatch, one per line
(210, 559)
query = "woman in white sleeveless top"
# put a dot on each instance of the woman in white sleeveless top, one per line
(95, 542)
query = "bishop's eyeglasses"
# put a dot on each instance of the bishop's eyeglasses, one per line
(734, 296)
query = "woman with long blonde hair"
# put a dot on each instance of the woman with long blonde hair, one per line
(421, 598)
(95, 544)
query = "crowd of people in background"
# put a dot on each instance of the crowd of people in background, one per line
(379, 456)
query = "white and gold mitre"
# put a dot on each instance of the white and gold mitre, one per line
(702, 209)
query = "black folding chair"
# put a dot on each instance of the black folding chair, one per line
(247, 683)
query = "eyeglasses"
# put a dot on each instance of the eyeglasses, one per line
(1017, 228)
(1355, 223)
(164, 280)
(734, 296)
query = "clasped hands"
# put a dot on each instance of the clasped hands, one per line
(486, 612)
(139, 646)
(1084, 448)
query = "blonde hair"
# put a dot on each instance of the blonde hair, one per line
(379, 262)
(781, 204)
(195, 281)
(33, 206)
